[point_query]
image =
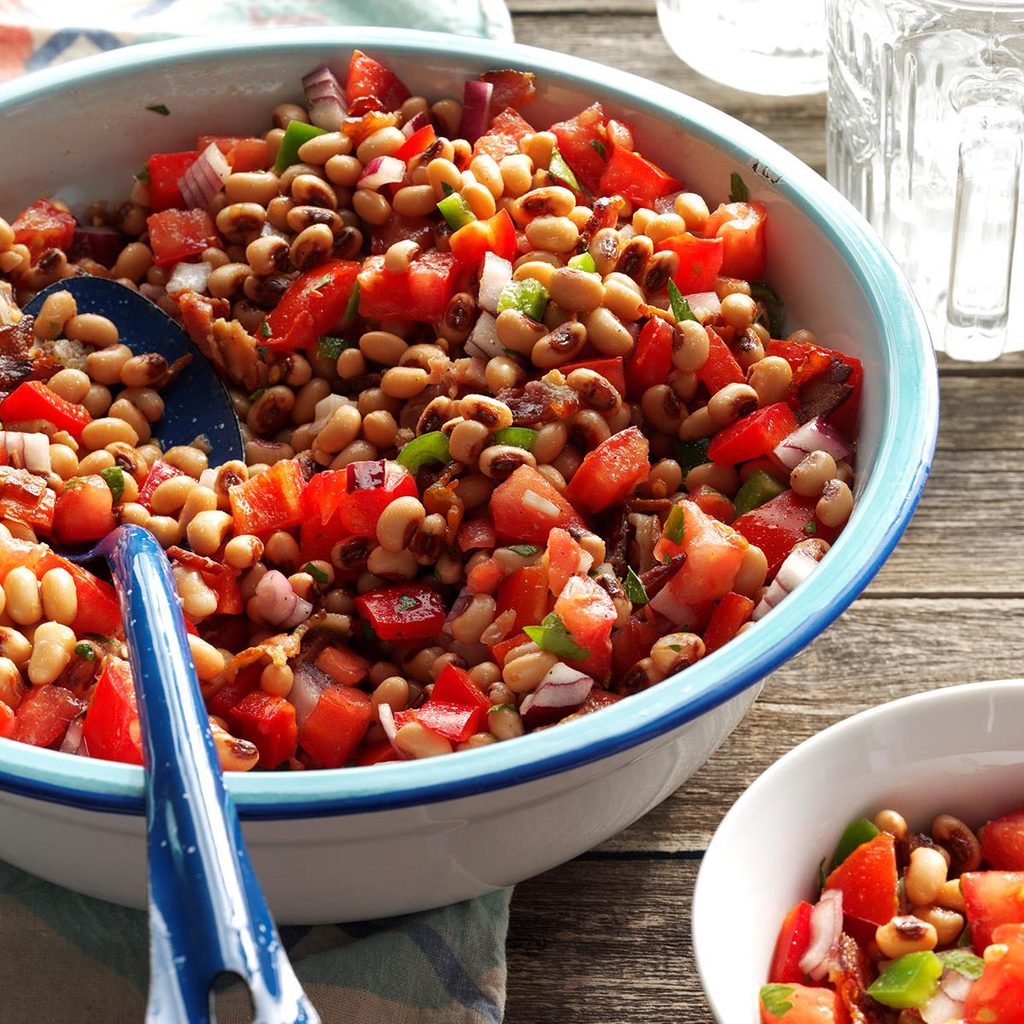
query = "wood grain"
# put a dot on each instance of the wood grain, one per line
(606, 937)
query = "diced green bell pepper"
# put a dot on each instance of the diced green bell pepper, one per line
(692, 453)
(456, 211)
(758, 488)
(432, 447)
(585, 262)
(907, 983)
(858, 832)
(529, 296)
(561, 171)
(517, 437)
(295, 135)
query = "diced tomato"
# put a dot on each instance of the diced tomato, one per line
(808, 1006)
(700, 261)
(525, 591)
(369, 78)
(472, 242)
(455, 686)
(336, 725)
(409, 611)
(33, 400)
(377, 753)
(356, 496)
(420, 140)
(98, 608)
(421, 293)
(777, 525)
(312, 306)
(993, 898)
(25, 498)
(741, 227)
(43, 226)
(8, 721)
(500, 650)
(231, 693)
(112, 729)
(566, 558)
(714, 503)
(176, 235)
(322, 524)
(160, 471)
(588, 614)
(582, 141)
(44, 714)
(512, 88)
(271, 500)
(790, 946)
(477, 531)
(165, 170)
(611, 369)
(1002, 842)
(867, 880)
(730, 614)
(713, 552)
(243, 152)
(485, 576)
(752, 436)
(526, 507)
(84, 511)
(611, 472)
(630, 175)
(998, 995)
(343, 665)
(633, 642)
(452, 721)
(502, 139)
(268, 722)
(720, 367)
(650, 362)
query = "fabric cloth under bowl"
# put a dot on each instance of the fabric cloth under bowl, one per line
(66, 957)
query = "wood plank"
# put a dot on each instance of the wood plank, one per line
(605, 942)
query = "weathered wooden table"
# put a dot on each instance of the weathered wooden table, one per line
(606, 938)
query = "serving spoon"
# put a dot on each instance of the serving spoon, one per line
(207, 914)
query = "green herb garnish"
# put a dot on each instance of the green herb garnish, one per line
(692, 453)
(407, 603)
(159, 108)
(84, 650)
(446, 188)
(320, 282)
(738, 191)
(552, 636)
(774, 307)
(264, 329)
(501, 707)
(143, 174)
(775, 999)
(811, 528)
(114, 475)
(675, 524)
(598, 146)
(262, 351)
(317, 573)
(964, 962)
(680, 307)
(352, 306)
(432, 447)
(526, 550)
(257, 394)
(329, 347)
(561, 171)
(635, 589)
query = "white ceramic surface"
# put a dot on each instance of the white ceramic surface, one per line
(956, 750)
(493, 816)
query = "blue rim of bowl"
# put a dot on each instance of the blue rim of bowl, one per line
(970, 693)
(882, 513)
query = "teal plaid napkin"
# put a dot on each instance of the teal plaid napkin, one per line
(69, 959)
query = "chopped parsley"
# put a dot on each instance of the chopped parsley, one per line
(114, 476)
(265, 329)
(552, 636)
(352, 307)
(680, 307)
(964, 962)
(598, 147)
(526, 550)
(775, 999)
(738, 191)
(317, 573)
(635, 589)
(811, 527)
(329, 347)
(407, 603)
(85, 650)
(501, 707)
(159, 108)
(143, 174)
(320, 282)
(675, 524)
(257, 394)
(262, 351)
(774, 307)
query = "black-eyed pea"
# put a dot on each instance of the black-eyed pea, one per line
(228, 280)
(404, 382)
(57, 309)
(198, 600)
(132, 513)
(15, 646)
(209, 662)
(951, 896)
(107, 430)
(71, 385)
(343, 170)
(895, 824)
(167, 531)
(277, 680)
(267, 255)
(844, 472)
(576, 290)
(380, 429)
(383, 142)
(170, 496)
(340, 430)
(143, 371)
(23, 603)
(382, 347)
(698, 424)
(251, 187)
(516, 174)
(559, 346)
(731, 403)
(751, 574)
(282, 550)
(503, 372)
(595, 391)
(372, 207)
(770, 378)
(320, 149)
(550, 441)
(691, 345)
(739, 310)
(518, 332)
(589, 428)
(959, 841)
(665, 478)
(660, 268)
(676, 651)
(552, 201)
(309, 394)
(634, 257)
(63, 461)
(357, 451)
(523, 673)
(492, 413)
(122, 409)
(664, 225)
(749, 349)
(809, 477)
(243, 551)
(199, 499)
(467, 440)
(351, 363)
(97, 400)
(392, 565)
(443, 177)
(311, 190)
(104, 365)
(479, 199)
(304, 585)
(726, 286)
(189, 459)
(277, 212)
(500, 461)
(59, 596)
(723, 479)
(53, 645)
(312, 245)
(399, 522)
(563, 468)
(539, 147)
(607, 333)
(925, 876)
(146, 400)
(948, 924)
(271, 410)
(504, 721)
(553, 233)
(486, 675)
(393, 691)
(91, 329)
(416, 741)
(835, 504)
(208, 530)
(662, 409)
(96, 462)
(694, 211)
(541, 271)
(905, 934)
(623, 297)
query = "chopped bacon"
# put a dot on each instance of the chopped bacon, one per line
(539, 402)
(848, 975)
(225, 343)
(20, 359)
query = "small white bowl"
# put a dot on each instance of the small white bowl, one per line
(956, 750)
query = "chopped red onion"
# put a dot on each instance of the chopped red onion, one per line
(326, 99)
(101, 244)
(813, 436)
(667, 604)
(381, 171)
(387, 722)
(74, 738)
(496, 274)
(826, 928)
(366, 475)
(276, 602)
(208, 478)
(26, 451)
(476, 106)
(705, 305)
(416, 122)
(666, 204)
(956, 985)
(462, 602)
(941, 1009)
(483, 341)
(308, 684)
(799, 564)
(205, 178)
(189, 277)
(560, 692)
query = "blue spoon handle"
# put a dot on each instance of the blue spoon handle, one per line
(207, 913)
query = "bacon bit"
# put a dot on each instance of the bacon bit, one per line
(278, 649)
(226, 344)
(366, 118)
(655, 579)
(20, 359)
(512, 88)
(848, 975)
(190, 560)
(820, 386)
(539, 402)
(440, 497)
(606, 215)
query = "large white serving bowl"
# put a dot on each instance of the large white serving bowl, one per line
(956, 750)
(402, 837)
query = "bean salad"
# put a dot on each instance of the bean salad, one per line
(523, 433)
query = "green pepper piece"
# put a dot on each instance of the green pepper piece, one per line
(295, 135)
(584, 262)
(758, 488)
(561, 171)
(907, 983)
(528, 296)
(692, 453)
(432, 447)
(858, 832)
(517, 437)
(456, 211)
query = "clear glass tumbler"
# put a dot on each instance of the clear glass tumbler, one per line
(925, 137)
(771, 47)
